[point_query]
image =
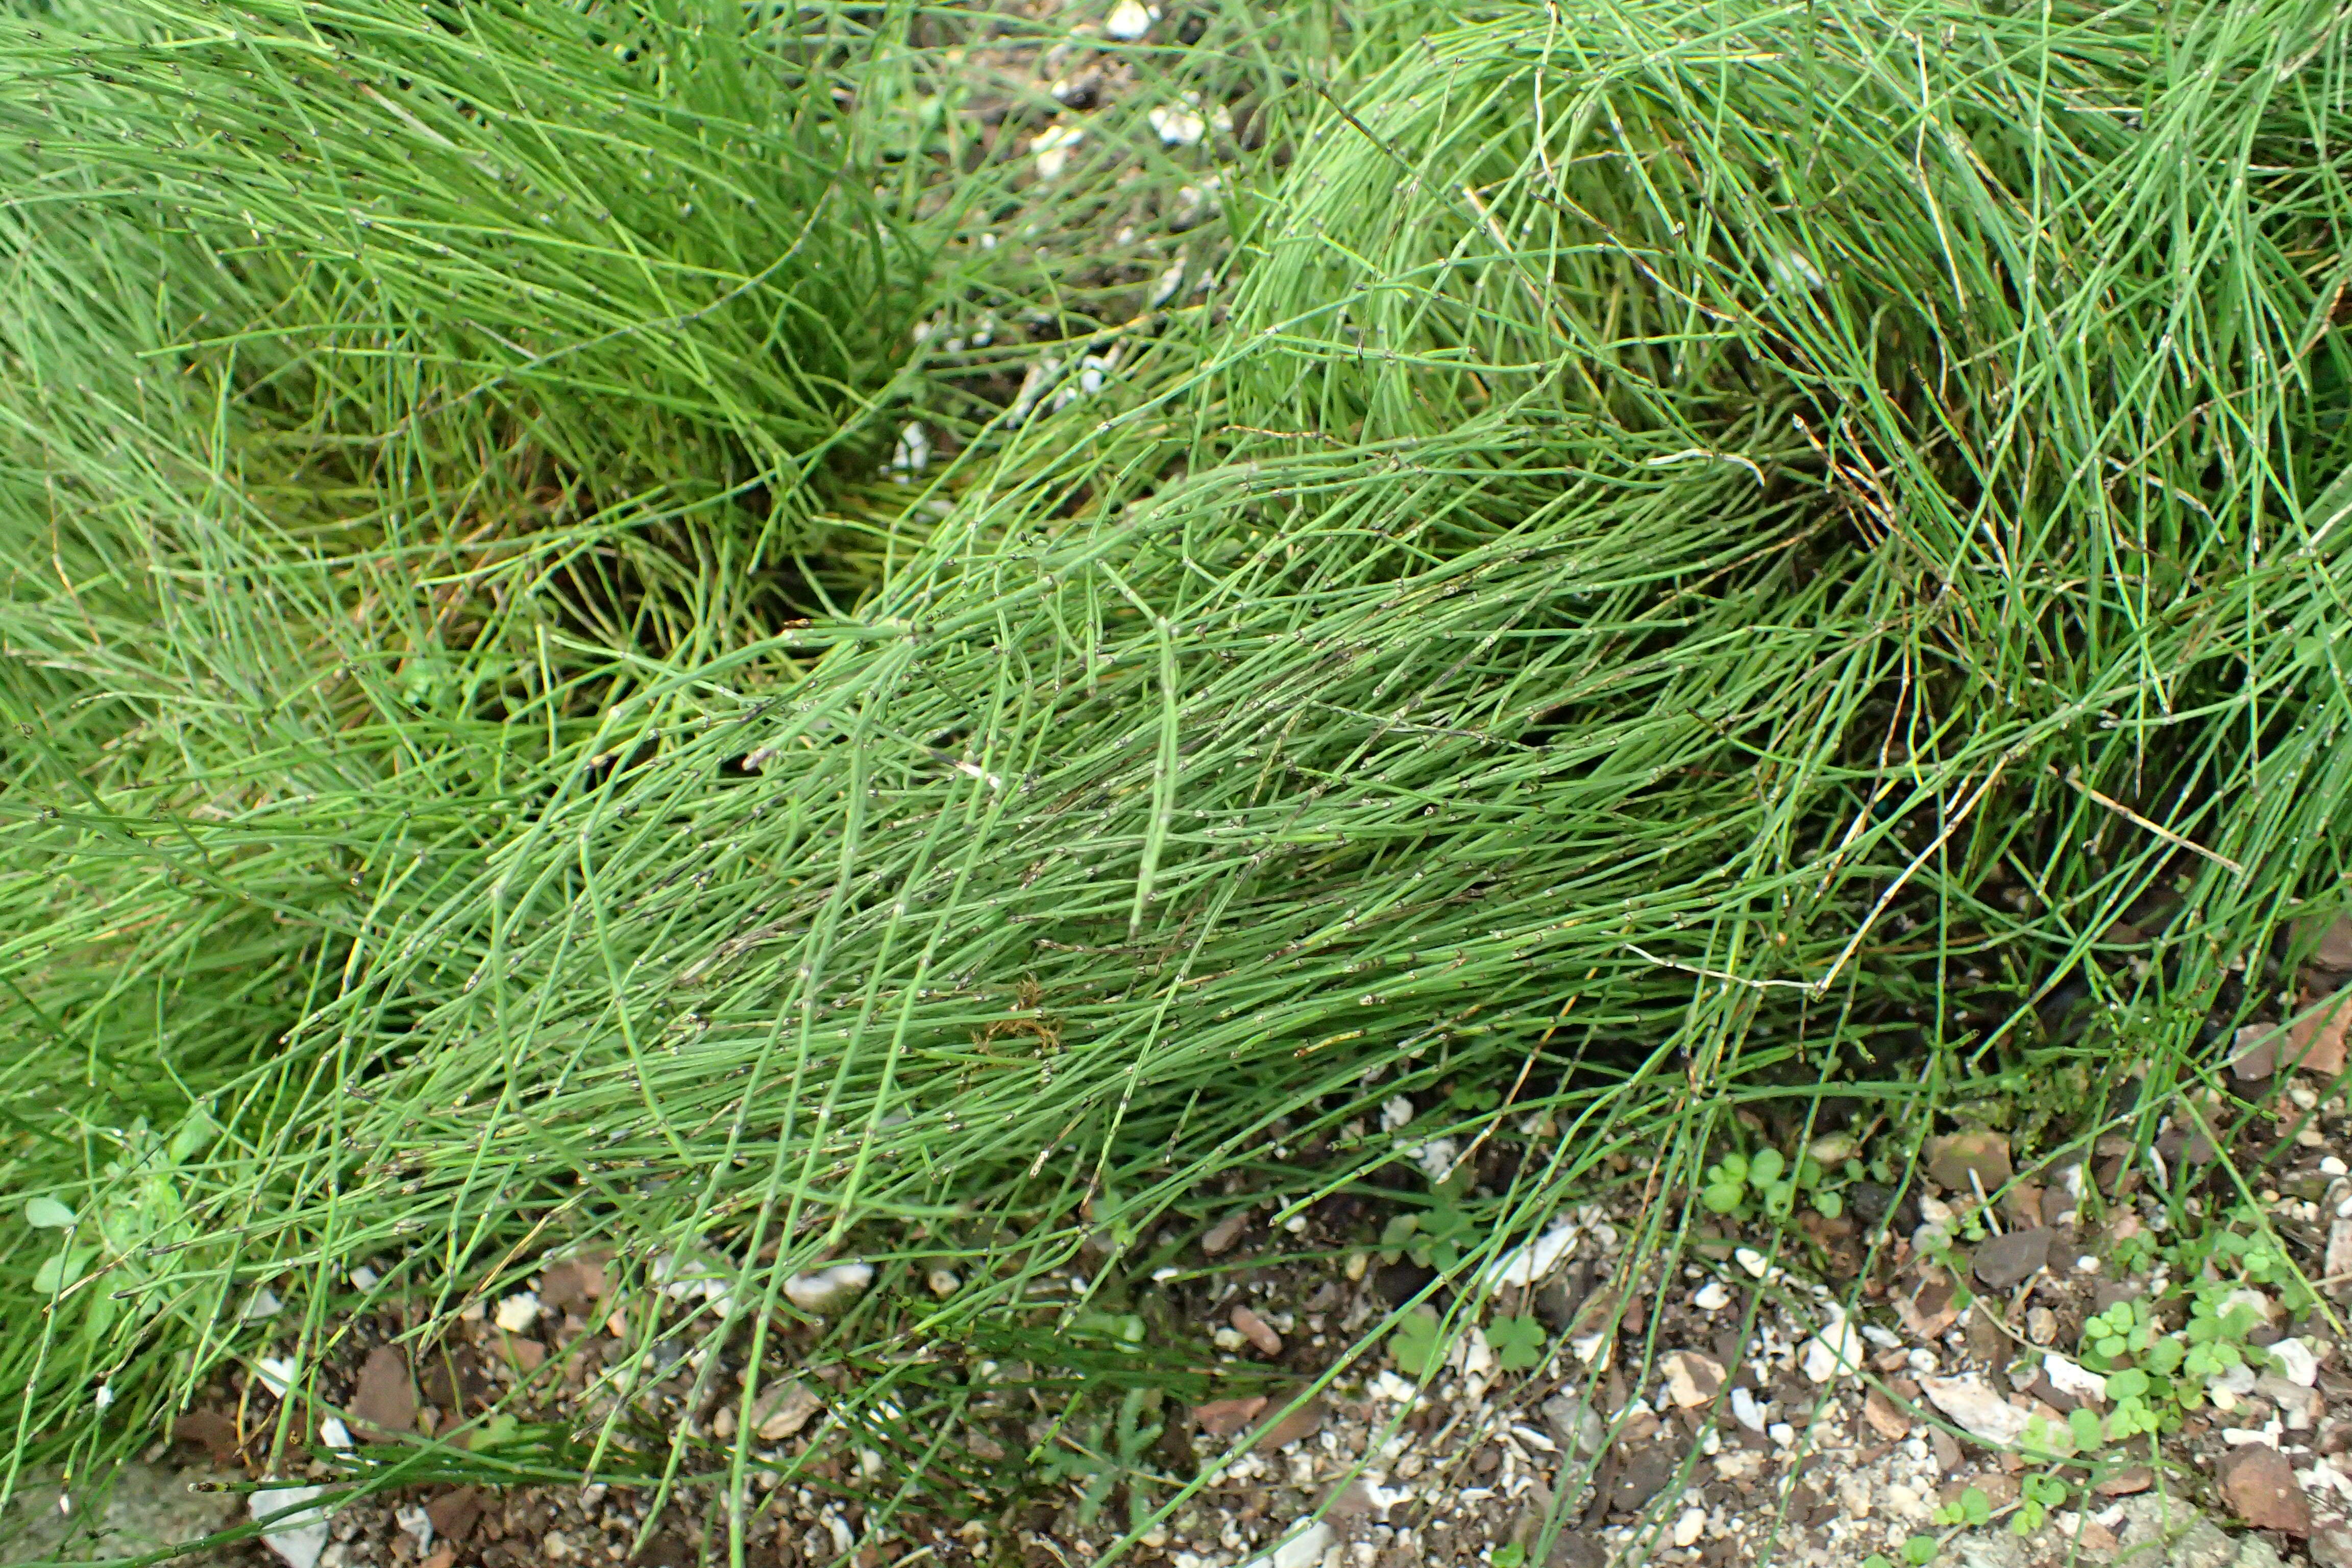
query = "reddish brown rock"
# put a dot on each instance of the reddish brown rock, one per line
(385, 1401)
(1223, 1417)
(2260, 1485)
(1256, 1330)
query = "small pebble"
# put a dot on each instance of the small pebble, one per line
(1256, 1330)
(1749, 1259)
(1690, 1527)
(1712, 1296)
(1130, 21)
(2332, 1166)
(2086, 1264)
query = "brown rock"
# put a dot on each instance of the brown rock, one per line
(1222, 1235)
(1947, 1448)
(2254, 1052)
(1303, 1422)
(215, 1430)
(2260, 1485)
(2005, 1262)
(444, 1556)
(1885, 1417)
(783, 1409)
(1951, 1159)
(1256, 1330)
(1643, 1473)
(1349, 1501)
(385, 1401)
(573, 1284)
(454, 1514)
(2334, 951)
(2022, 1205)
(1927, 1312)
(525, 1352)
(2315, 1039)
(1223, 1417)
(2124, 1483)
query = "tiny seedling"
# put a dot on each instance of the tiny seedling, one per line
(1766, 1184)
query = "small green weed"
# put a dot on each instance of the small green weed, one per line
(1433, 1238)
(1765, 1184)
(1101, 1454)
(1413, 1341)
(1519, 1342)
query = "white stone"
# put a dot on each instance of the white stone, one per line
(2072, 1378)
(2251, 1300)
(1395, 1112)
(1692, 1379)
(518, 1312)
(298, 1538)
(823, 1290)
(1781, 1433)
(1970, 1401)
(1750, 1259)
(1177, 127)
(1690, 1526)
(1836, 1349)
(1884, 1338)
(412, 1518)
(1304, 1549)
(334, 1433)
(1053, 147)
(277, 1373)
(2295, 1362)
(1793, 267)
(1130, 21)
(913, 453)
(2332, 1166)
(2238, 1379)
(1712, 1296)
(1436, 1157)
(1746, 1411)
(1531, 1262)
